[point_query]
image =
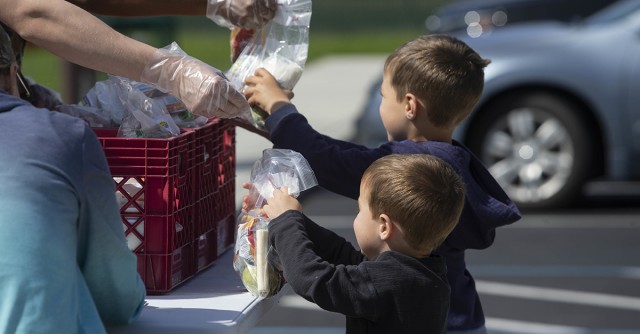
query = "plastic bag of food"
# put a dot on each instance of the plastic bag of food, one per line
(281, 47)
(103, 96)
(127, 107)
(174, 106)
(277, 168)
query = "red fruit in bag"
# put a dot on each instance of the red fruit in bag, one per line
(240, 37)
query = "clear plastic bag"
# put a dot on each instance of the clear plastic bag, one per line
(281, 47)
(103, 96)
(148, 117)
(245, 13)
(139, 109)
(277, 168)
(125, 105)
(178, 111)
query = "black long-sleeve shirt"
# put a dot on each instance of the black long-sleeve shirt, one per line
(392, 293)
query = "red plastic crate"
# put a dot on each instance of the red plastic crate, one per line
(220, 235)
(177, 199)
(162, 272)
(215, 156)
(215, 175)
(155, 185)
(153, 175)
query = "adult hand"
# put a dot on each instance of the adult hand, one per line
(280, 203)
(251, 14)
(202, 88)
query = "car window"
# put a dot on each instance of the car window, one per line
(615, 12)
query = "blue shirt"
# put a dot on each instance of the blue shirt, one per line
(64, 262)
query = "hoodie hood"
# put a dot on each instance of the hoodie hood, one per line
(487, 206)
(9, 102)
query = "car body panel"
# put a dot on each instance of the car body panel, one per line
(594, 65)
(492, 14)
(555, 57)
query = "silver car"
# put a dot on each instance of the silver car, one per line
(561, 106)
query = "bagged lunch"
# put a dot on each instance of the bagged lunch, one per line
(281, 47)
(277, 168)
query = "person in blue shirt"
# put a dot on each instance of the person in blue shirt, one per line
(408, 204)
(65, 266)
(430, 85)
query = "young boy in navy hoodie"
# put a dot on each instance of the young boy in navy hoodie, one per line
(430, 85)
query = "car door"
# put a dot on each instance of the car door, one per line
(633, 99)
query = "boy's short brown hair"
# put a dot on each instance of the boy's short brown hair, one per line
(443, 72)
(7, 56)
(422, 193)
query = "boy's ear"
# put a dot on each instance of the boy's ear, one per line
(386, 228)
(413, 106)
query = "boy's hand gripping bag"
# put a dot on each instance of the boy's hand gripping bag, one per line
(277, 168)
(280, 46)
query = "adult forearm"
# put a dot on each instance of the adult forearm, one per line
(144, 7)
(75, 35)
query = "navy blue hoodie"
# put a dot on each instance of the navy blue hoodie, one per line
(339, 166)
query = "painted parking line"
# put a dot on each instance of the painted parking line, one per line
(567, 271)
(558, 295)
(507, 326)
(577, 220)
(297, 330)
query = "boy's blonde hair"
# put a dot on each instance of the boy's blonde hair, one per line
(441, 71)
(420, 192)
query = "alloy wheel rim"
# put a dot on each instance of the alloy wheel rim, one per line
(530, 153)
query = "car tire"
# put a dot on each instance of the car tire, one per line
(537, 146)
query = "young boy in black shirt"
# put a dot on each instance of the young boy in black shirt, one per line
(408, 204)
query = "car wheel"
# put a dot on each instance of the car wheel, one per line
(536, 146)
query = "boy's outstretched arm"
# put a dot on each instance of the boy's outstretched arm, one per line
(327, 244)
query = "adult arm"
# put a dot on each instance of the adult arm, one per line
(140, 8)
(243, 13)
(79, 37)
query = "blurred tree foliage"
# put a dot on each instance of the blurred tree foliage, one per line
(359, 15)
(371, 15)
